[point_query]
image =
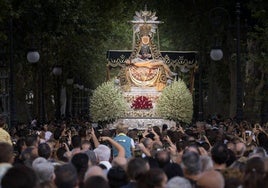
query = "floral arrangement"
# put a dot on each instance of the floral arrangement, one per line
(107, 103)
(176, 103)
(142, 102)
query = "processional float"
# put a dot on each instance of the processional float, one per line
(145, 70)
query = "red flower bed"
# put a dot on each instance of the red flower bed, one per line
(142, 102)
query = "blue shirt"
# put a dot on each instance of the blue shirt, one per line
(124, 141)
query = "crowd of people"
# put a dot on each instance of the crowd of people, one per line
(74, 154)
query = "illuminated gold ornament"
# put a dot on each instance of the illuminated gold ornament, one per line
(145, 40)
(145, 17)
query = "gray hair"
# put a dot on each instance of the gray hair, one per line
(206, 163)
(178, 182)
(103, 152)
(258, 151)
(91, 156)
(191, 163)
(44, 169)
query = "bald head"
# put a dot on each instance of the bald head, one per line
(240, 149)
(120, 161)
(211, 179)
(94, 171)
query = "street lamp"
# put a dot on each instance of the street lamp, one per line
(75, 99)
(11, 103)
(57, 71)
(33, 57)
(239, 89)
(86, 95)
(81, 104)
(216, 54)
(69, 81)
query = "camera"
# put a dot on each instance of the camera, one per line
(258, 126)
(149, 128)
(248, 133)
(63, 139)
(166, 145)
(137, 153)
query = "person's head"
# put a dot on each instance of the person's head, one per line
(76, 141)
(254, 172)
(219, 153)
(31, 140)
(136, 168)
(231, 158)
(173, 170)
(156, 146)
(103, 152)
(193, 147)
(120, 161)
(66, 176)
(162, 157)
(28, 155)
(233, 177)
(91, 157)
(117, 177)
(44, 150)
(258, 152)
(191, 163)
(180, 182)
(94, 171)
(154, 178)
(82, 132)
(121, 128)
(164, 127)
(81, 163)
(157, 130)
(6, 153)
(148, 143)
(206, 163)
(19, 176)
(200, 126)
(96, 181)
(231, 145)
(20, 145)
(60, 154)
(240, 165)
(44, 169)
(211, 179)
(240, 149)
(85, 145)
(47, 184)
(263, 140)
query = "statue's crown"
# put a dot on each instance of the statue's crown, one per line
(145, 30)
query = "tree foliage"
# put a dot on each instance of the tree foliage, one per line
(77, 34)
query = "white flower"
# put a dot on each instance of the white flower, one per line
(176, 103)
(107, 103)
